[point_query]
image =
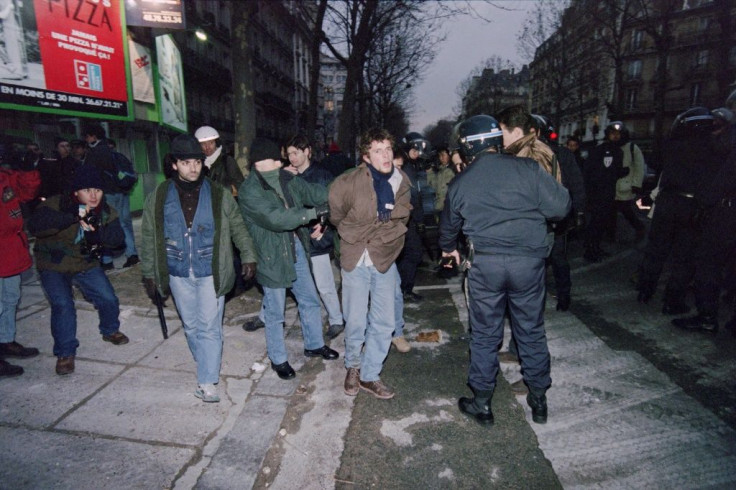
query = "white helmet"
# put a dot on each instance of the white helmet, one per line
(206, 133)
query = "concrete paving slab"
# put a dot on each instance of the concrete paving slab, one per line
(237, 462)
(44, 459)
(150, 405)
(41, 397)
(241, 350)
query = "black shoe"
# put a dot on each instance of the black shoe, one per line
(706, 323)
(563, 302)
(284, 370)
(478, 408)
(108, 267)
(132, 260)
(324, 352)
(14, 349)
(538, 404)
(253, 324)
(334, 331)
(8, 370)
(412, 297)
(643, 297)
(675, 309)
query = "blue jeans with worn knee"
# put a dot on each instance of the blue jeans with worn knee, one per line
(96, 287)
(201, 316)
(121, 203)
(9, 298)
(310, 314)
(368, 330)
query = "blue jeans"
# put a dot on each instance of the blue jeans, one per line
(399, 308)
(310, 314)
(201, 316)
(121, 203)
(96, 288)
(324, 279)
(9, 298)
(372, 328)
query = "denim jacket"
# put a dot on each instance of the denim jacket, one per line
(189, 249)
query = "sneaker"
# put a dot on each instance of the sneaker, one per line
(401, 344)
(519, 388)
(116, 338)
(65, 365)
(253, 324)
(9, 370)
(377, 389)
(108, 267)
(334, 331)
(132, 260)
(352, 382)
(14, 349)
(507, 357)
(207, 393)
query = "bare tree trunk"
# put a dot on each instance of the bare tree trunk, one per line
(314, 70)
(244, 107)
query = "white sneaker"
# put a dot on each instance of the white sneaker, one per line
(207, 393)
(401, 344)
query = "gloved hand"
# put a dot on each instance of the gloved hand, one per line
(150, 286)
(248, 271)
(323, 213)
(579, 220)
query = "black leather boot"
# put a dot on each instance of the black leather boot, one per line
(706, 323)
(537, 401)
(478, 407)
(563, 302)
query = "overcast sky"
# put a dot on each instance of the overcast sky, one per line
(468, 43)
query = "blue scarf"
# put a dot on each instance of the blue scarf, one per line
(384, 194)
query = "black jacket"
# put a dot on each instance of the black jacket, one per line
(502, 204)
(319, 175)
(604, 166)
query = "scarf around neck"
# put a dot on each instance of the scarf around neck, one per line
(384, 193)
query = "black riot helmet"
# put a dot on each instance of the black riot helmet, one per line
(614, 126)
(476, 134)
(415, 141)
(692, 122)
(452, 143)
(545, 129)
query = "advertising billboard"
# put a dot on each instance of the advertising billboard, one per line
(168, 14)
(171, 96)
(64, 57)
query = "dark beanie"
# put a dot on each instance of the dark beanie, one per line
(185, 146)
(264, 149)
(87, 177)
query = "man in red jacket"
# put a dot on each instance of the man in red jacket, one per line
(17, 187)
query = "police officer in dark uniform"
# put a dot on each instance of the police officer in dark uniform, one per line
(502, 203)
(718, 239)
(604, 167)
(572, 179)
(687, 165)
(415, 147)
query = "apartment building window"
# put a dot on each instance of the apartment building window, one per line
(695, 91)
(632, 96)
(636, 38)
(701, 58)
(634, 70)
(704, 23)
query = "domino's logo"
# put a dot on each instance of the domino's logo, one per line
(88, 75)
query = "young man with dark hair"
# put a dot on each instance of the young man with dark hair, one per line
(279, 209)
(370, 208)
(189, 225)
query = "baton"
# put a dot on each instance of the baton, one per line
(161, 317)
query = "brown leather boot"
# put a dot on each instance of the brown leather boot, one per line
(65, 365)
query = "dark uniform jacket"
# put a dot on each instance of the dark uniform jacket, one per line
(502, 203)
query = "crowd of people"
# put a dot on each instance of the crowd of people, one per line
(499, 202)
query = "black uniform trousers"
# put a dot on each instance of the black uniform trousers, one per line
(410, 257)
(599, 221)
(716, 246)
(673, 233)
(560, 266)
(496, 282)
